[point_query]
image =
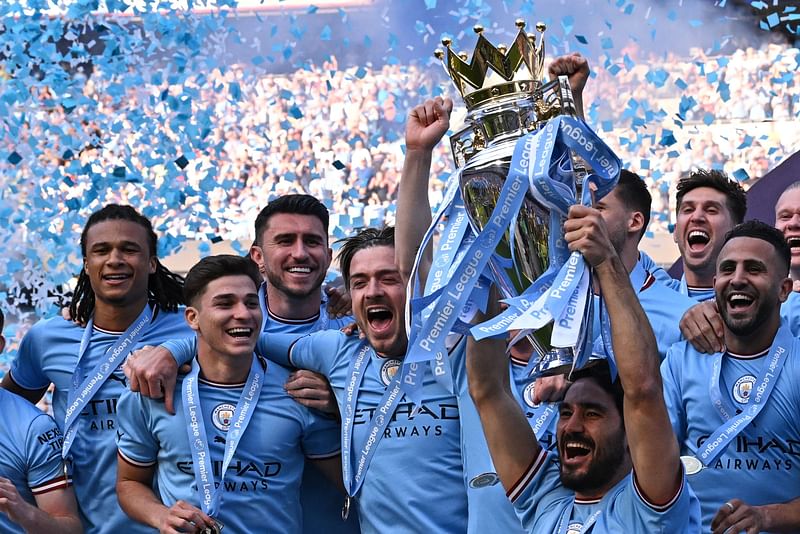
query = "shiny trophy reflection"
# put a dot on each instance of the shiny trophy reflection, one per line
(503, 106)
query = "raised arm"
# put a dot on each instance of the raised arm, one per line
(512, 443)
(426, 125)
(653, 447)
(576, 68)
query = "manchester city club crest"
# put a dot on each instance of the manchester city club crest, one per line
(742, 388)
(528, 393)
(388, 370)
(484, 480)
(222, 416)
(574, 528)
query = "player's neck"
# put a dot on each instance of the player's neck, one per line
(117, 318)
(794, 274)
(699, 277)
(758, 341)
(629, 255)
(289, 307)
(591, 494)
(223, 368)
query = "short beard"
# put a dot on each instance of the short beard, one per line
(740, 328)
(601, 470)
(277, 283)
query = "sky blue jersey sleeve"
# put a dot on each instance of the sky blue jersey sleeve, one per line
(670, 376)
(135, 441)
(182, 349)
(43, 446)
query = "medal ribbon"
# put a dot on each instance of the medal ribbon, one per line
(202, 463)
(377, 424)
(733, 425)
(83, 389)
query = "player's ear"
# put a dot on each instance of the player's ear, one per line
(636, 222)
(2, 342)
(192, 316)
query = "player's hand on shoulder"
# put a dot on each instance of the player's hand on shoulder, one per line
(738, 516)
(152, 371)
(312, 390)
(702, 326)
(339, 302)
(427, 123)
(67, 316)
(183, 517)
(352, 330)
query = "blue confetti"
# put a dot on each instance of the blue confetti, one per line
(746, 142)
(773, 20)
(741, 175)
(14, 158)
(325, 34)
(567, 23)
(430, 4)
(581, 39)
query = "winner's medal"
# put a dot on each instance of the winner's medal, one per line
(346, 508)
(691, 465)
(216, 528)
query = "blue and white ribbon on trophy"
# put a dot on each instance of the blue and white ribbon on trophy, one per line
(561, 295)
(427, 342)
(542, 163)
(566, 298)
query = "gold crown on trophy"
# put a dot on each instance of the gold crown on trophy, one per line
(497, 72)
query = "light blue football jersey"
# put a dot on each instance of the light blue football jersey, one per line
(545, 506)
(760, 465)
(30, 452)
(262, 484)
(321, 500)
(489, 510)
(663, 306)
(415, 482)
(790, 312)
(48, 354)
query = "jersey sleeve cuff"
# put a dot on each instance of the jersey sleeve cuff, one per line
(659, 507)
(51, 485)
(28, 387)
(517, 488)
(135, 463)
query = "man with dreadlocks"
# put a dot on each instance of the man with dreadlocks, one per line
(126, 299)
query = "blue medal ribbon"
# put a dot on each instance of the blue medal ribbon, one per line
(353, 476)
(202, 463)
(82, 389)
(734, 424)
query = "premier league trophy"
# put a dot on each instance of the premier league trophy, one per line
(507, 99)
